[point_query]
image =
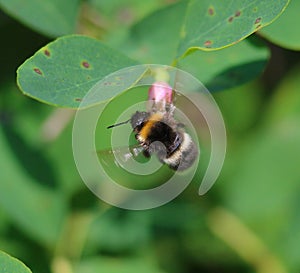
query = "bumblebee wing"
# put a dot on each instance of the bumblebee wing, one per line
(124, 153)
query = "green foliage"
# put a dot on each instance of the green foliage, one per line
(266, 167)
(248, 222)
(112, 265)
(22, 182)
(65, 70)
(223, 69)
(213, 25)
(50, 17)
(10, 264)
(283, 32)
(66, 75)
(155, 38)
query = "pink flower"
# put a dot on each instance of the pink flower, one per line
(160, 92)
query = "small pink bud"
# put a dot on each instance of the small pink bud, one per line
(160, 92)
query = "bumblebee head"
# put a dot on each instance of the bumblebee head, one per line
(138, 119)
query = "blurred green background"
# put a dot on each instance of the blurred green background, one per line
(248, 222)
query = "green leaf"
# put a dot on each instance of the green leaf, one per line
(60, 154)
(218, 70)
(124, 11)
(10, 264)
(62, 72)
(50, 17)
(155, 38)
(246, 98)
(284, 32)
(213, 24)
(229, 67)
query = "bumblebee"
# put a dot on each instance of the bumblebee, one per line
(157, 132)
(161, 134)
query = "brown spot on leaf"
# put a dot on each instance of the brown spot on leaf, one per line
(78, 99)
(257, 20)
(207, 43)
(38, 71)
(47, 52)
(237, 13)
(211, 11)
(85, 64)
(255, 9)
(230, 19)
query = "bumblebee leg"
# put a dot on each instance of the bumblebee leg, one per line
(146, 153)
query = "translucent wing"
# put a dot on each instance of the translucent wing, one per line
(120, 154)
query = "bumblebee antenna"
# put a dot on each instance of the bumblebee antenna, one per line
(115, 125)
